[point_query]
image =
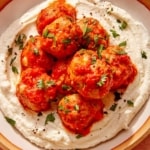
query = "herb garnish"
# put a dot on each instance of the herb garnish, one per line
(114, 33)
(50, 117)
(123, 25)
(102, 80)
(124, 43)
(66, 87)
(10, 121)
(99, 50)
(130, 103)
(40, 84)
(20, 39)
(143, 54)
(113, 107)
(86, 29)
(50, 84)
(66, 41)
(15, 70)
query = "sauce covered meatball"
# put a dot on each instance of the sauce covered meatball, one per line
(122, 68)
(77, 114)
(33, 54)
(36, 89)
(93, 34)
(53, 11)
(64, 35)
(90, 76)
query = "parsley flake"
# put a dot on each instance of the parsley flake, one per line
(66, 41)
(114, 33)
(130, 103)
(40, 84)
(50, 118)
(99, 50)
(20, 39)
(123, 25)
(102, 80)
(10, 121)
(124, 43)
(113, 107)
(143, 54)
(66, 87)
(14, 70)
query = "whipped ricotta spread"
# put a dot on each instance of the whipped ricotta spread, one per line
(54, 135)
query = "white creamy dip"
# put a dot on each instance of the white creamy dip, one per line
(54, 135)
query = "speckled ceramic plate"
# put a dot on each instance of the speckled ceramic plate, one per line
(139, 127)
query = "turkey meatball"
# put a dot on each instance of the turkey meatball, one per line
(36, 89)
(77, 114)
(90, 76)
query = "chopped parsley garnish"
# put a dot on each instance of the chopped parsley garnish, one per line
(124, 43)
(51, 36)
(99, 50)
(66, 41)
(102, 80)
(14, 69)
(143, 54)
(85, 29)
(113, 107)
(50, 118)
(123, 25)
(66, 87)
(120, 52)
(10, 121)
(20, 39)
(114, 33)
(41, 84)
(130, 103)
(50, 84)
(45, 33)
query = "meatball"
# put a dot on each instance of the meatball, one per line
(36, 89)
(90, 76)
(65, 36)
(33, 54)
(93, 34)
(53, 11)
(59, 73)
(79, 115)
(122, 68)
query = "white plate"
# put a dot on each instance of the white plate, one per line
(17, 8)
